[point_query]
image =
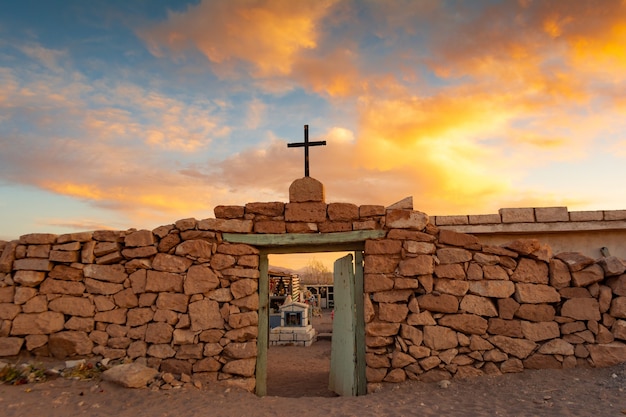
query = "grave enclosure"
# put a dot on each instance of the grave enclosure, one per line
(185, 298)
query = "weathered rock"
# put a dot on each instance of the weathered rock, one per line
(588, 276)
(29, 278)
(195, 248)
(453, 255)
(419, 265)
(406, 219)
(575, 261)
(581, 309)
(439, 337)
(130, 375)
(540, 331)
(39, 323)
(481, 306)
(109, 273)
(243, 367)
(522, 246)
(73, 306)
(535, 293)
(391, 312)
(535, 312)
(612, 266)
(519, 348)
(466, 323)
(560, 276)
(557, 347)
(382, 329)
(449, 237)
(444, 303)
(618, 307)
(10, 346)
(607, 354)
(495, 289)
(70, 343)
(511, 328)
(531, 271)
(205, 314)
(243, 287)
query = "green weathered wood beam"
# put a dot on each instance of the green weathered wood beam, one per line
(303, 239)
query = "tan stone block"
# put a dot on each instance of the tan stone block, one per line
(109, 273)
(244, 287)
(440, 338)
(371, 210)
(453, 255)
(8, 311)
(391, 312)
(517, 215)
(36, 304)
(536, 312)
(581, 309)
(229, 212)
(406, 219)
(7, 257)
(73, 306)
(38, 323)
(93, 286)
(444, 303)
(383, 246)
(492, 288)
(465, 323)
(618, 307)
(29, 278)
(551, 214)
(139, 238)
(419, 265)
(535, 293)
(117, 316)
(450, 220)
(10, 346)
(226, 225)
(270, 226)
(423, 318)
(195, 248)
(306, 189)
(157, 281)
(590, 275)
(519, 348)
(379, 264)
(481, 306)
(484, 219)
(451, 286)
(105, 248)
(38, 239)
(450, 237)
(495, 272)
(540, 331)
(609, 215)
(305, 212)
(454, 272)
(332, 227)
(559, 274)
(531, 271)
(507, 307)
(575, 261)
(38, 251)
(607, 354)
(393, 296)
(511, 328)
(400, 283)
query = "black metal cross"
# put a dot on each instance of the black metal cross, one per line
(306, 145)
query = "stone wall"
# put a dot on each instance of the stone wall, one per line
(439, 304)
(586, 232)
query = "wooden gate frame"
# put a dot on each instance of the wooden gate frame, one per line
(305, 243)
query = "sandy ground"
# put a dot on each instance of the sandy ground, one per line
(297, 380)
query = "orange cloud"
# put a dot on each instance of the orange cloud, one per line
(267, 34)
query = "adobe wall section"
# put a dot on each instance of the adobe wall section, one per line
(438, 304)
(565, 231)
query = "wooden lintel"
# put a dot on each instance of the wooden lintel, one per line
(303, 239)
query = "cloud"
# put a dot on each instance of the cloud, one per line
(267, 34)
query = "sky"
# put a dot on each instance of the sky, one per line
(137, 113)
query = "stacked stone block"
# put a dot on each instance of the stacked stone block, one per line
(438, 304)
(441, 305)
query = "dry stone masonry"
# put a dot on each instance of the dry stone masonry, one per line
(438, 304)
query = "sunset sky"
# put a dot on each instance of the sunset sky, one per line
(120, 114)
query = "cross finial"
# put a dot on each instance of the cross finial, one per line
(306, 144)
